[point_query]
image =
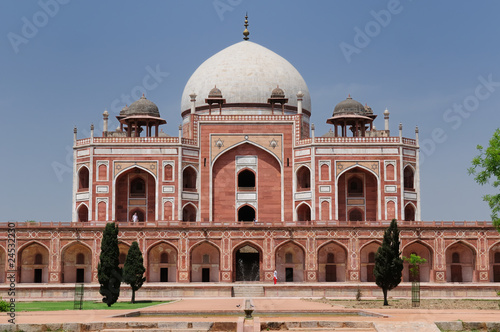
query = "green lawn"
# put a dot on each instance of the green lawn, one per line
(87, 305)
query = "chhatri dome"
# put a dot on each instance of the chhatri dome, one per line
(246, 72)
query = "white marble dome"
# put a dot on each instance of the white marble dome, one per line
(245, 73)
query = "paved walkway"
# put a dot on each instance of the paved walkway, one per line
(268, 310)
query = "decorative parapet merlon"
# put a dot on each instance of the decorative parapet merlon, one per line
(127, 140)
(259, 224)
(360, 140)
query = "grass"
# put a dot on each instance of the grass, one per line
(87, 305)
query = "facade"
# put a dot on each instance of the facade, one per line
(247, 187)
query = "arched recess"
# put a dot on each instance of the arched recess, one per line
(189, 178)
(367, 261)
(303, 174)
(247, 262)
(3, 256)
(123, 248)
(205, 258)
(425, 270)
(355, 214)
(389, 172)
(494, 258)
(409, 178)
(325, 172)
(332, 262)
(76, 263)
(135, 189)
(303, 212)
(460, 263)
(268, 186)
(410, 212)
(246, 213)
(246, 180)
(325, 210)
(83, 179)
(168, 173)
(34, 263)
(189, 212)
(162, 263)
(141, 215)
(391, 210)
(290, 262)
(358, 187)
(102, 172)
(168, 211)
(101, 210)
(83, 213)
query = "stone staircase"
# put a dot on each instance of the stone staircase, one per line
(247, 291)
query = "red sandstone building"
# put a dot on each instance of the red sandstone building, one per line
(247, 187)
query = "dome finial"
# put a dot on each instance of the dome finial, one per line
(246, 32)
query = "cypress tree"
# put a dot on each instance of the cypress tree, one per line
(133, 270)
(108, 271)
(388, 262)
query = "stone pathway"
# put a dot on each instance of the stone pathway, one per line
(406, 327)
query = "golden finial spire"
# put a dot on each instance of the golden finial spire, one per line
(246, 32)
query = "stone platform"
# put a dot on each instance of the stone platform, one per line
(340, 290)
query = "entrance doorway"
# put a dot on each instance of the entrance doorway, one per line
(205, 274)
(331, 273)
(38, 276)
(247, 264)
(80, 275)
(289, 274)
(164, 274)
(496, 273)
(456, 273)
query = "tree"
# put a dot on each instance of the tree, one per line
(414, 261)
(133, 269)
(108, 271)
(388, 263)
(486, 166)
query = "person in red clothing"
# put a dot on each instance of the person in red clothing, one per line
(275, 277)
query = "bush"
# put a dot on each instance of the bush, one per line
(4, 306)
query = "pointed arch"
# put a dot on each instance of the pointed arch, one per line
(189, 178)
(423, 250)
(224, 183)
(246, 179)
(332, 262)
(303, 177)
(251, 143)
(205, 260)
(409, 177)
(367, 265)
(33, 262)
(303, 211)
(121, 194)
(82, 212)
(72, 269)
(410, 210)
(460, 259)
(494, 259)
(83, 178)
(290, 259)
(246, 213)
(247, 261)
(158, 269)
(189, 212)
(371, 193)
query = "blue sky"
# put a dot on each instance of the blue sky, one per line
(432, 64)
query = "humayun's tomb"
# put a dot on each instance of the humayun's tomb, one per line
(247, 187)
